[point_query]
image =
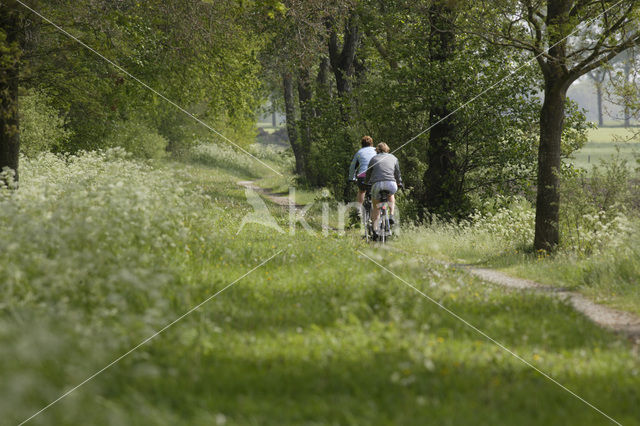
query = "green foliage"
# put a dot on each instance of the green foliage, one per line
(137, 138)
(201, 56)
(594, 207)
(41, 126)
(104, 253)
(495, 136)
(576, 129)
(223, 157)
(503, 224)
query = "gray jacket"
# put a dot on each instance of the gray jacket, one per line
(384, 167)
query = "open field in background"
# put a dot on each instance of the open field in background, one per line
(604, 143)
(319, 335)
(267, 126)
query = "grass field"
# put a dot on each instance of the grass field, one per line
(607, 271)
(99, 252)
(604, 143)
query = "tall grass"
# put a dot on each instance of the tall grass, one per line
(99, 251)
(599, 246)
(227, 158)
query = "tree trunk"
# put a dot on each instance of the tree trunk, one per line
(599, 94)
(547, 235)
(9, 79)
(305, 94)
(292, 128)
(442, 194)
(342, 61)
(323, 87)
(323, 73)
(627, 73)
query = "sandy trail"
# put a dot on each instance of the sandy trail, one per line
(276, 198)
(606, 317)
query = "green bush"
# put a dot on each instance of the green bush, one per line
(594, 208)
(138, 138)
(42, 127)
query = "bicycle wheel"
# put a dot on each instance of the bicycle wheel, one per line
(365, 222)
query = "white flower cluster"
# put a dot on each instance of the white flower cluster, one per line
(591, 232)
(513, 224)
(96, 222)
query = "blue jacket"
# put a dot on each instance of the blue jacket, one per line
(361, 161)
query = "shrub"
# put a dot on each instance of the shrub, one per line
(512, 222)
(78, 223)
(138, 138)
(42, 127)
(594, 207)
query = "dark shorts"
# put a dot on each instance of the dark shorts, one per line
(361, 185)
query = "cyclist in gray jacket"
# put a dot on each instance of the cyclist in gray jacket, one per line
(384, 175)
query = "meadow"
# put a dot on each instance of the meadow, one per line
(604, 143)
(100, 251)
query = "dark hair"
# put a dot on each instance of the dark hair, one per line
(366, 141)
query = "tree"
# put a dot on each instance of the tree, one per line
(10, 57)
(442, 193)
(598, 76)
(423, 68)
(623, 76)
(199, 54)
(343, 58)
(569, 38)
(624, 90)
(296, 38)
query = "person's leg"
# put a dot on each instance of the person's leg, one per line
(392, 204)
(360, 198)
(375, 215)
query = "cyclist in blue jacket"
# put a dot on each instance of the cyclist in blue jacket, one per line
(359, 166)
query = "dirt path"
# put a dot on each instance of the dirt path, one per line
(276, 198)
(612, 319)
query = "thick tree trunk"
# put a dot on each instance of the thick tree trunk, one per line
(442, 193)
(439, 179)
(323, 73)
(292, 127)
(547, 235)
(342, 61)
(9, 78)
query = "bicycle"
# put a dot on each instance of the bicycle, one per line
(367, 223)
(366, 215)
(384, 232)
